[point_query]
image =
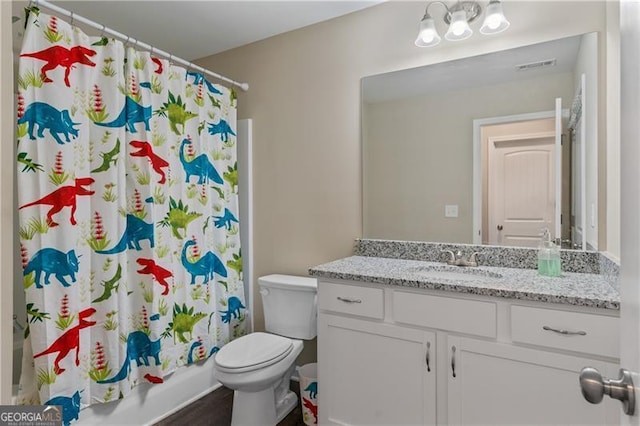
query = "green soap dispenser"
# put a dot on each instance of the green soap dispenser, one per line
(549, 263)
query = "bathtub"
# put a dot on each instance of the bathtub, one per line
(147, 403)
(17, 363)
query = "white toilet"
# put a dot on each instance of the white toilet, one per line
(258, 366)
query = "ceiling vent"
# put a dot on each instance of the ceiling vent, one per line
(537, 64)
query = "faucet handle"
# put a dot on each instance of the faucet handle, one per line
(473, 259)
(452, 256)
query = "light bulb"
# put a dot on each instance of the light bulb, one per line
(427, 34)
(494, 22)
(459, 28)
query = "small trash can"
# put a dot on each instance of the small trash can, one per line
(309, 393)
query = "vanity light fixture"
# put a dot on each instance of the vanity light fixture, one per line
(458, 18)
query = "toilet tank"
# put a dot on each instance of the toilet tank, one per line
(290, 307)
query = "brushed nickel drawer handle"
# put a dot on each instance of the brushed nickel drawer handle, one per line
(427, 357)
(453, 361)
(565, 332)
(348, 300)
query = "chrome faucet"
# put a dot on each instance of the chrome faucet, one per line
(457, 259)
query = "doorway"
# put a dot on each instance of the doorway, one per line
(520, 193)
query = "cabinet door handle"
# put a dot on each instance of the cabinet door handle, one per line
(453, 361)
(427, 356)
(348, 300)
(565, 332)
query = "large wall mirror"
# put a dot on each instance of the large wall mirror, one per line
(487, 149)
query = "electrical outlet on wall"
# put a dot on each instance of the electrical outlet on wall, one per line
(451, 210)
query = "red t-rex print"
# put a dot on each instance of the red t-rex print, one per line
(159, 273)
(157, 162)
(65, 196)
(61, 56)
(69, 340)
(153, 379)
(313, 408)
(158, 63)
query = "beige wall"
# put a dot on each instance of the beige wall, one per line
(7, 249)
(305, 102)
(418, 155)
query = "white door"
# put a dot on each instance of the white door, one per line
(579, 175)
(522, 188)
(557, 232)
(630, 199)
(630, 196)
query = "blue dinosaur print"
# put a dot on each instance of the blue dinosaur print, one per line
(139, 349)
(70, 407)
(222, 128)
(136, 230)
(198, 78)
(131, 113)
(193, 346)
(233, 309)
(53, 261)
(312, 389)
(208, 265)
(49, 118)
(213, 351)
(199, 166)
(225, 220)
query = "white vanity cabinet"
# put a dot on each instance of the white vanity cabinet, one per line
(373, 373)
(394, 355)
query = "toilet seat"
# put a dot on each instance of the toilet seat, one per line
(252, 352)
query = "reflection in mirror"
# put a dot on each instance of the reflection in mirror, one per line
(488, 149)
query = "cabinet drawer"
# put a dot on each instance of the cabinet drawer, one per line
(445, 313)
(588, 333)
(350, 299)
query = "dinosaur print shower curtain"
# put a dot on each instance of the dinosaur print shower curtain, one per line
(128, 207)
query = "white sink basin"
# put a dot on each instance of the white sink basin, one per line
(456, 273)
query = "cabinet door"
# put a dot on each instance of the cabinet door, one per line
(493, 383)
(371, 373)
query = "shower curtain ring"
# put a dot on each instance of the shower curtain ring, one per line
(126, 43)
(71, 15)
(102, 31)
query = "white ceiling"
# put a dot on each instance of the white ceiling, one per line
(475, 71)
(195, 29)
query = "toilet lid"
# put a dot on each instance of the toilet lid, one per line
(253, 351)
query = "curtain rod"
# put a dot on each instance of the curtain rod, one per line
(137, 43)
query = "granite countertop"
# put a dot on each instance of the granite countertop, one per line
(571, 288)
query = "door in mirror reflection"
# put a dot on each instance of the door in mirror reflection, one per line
(520, 188)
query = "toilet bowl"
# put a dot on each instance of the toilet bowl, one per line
(258, 366)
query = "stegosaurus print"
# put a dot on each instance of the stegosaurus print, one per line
(178, 217)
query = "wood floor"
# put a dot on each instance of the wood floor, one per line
(214, 409)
